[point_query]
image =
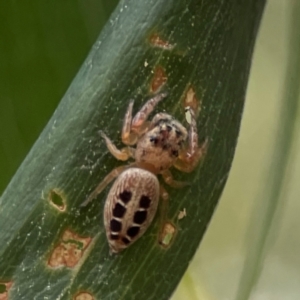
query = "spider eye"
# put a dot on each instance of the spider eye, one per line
(175, 153)
(153, 140)
(178, 133)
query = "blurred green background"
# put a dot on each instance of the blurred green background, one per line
(43, 44)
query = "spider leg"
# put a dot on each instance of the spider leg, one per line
(193, 134)
(163, 208)
(168, 178)
(102, 185)
(128, 137)
(139, 120)
(107, 180)
(189, 158)
(163, 193)
(123, 154)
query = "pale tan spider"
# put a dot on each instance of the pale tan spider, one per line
(160, 144)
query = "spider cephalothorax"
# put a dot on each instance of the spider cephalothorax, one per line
(161, 144)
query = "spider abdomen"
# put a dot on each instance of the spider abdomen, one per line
(130, 207)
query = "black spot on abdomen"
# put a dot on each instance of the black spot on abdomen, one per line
(133, 231)
(115, 225)
(125, 240)
(119, 210)
(114, 236)
(145, 202)
(140, 217)
(125, 196)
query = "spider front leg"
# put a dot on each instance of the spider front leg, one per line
(189, 158)
(123, 154)
(128, 137)
(134, 127)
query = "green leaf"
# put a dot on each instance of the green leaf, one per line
(2, 288)
(207, 46)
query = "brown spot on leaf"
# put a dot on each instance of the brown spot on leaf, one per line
(83, 296)
(158, 41)
(4, 289)
(69, 250)
(158, 80)
(167, 235)
(57, 199)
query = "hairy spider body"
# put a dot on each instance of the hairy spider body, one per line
(132, 201)
(160, 145)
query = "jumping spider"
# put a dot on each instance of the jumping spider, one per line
(132, 201)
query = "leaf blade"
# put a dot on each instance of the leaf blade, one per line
(204, 56)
